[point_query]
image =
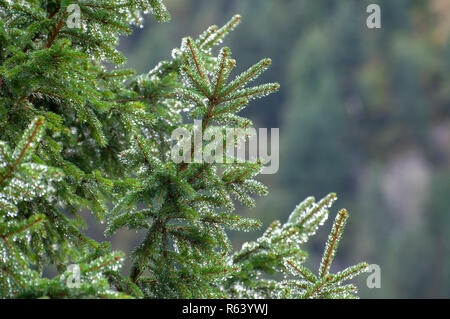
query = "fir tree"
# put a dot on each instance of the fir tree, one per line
(76, 135)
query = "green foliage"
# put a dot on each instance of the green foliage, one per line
(355, 104)
(279, 250)
(76, 135)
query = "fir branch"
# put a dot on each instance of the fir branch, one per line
(54, 33)
(333, 242)
(194, 56)
(36, 126)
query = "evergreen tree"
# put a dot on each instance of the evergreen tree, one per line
(76, 135)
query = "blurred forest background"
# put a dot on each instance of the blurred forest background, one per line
(363, 113)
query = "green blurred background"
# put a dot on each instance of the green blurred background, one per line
(362, 112)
